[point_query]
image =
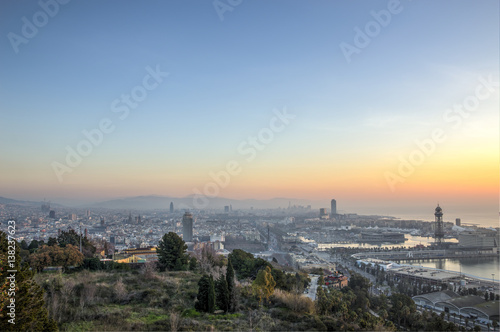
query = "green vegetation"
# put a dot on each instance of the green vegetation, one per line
(263, 285)
(246, 265)
(172, 254)
(241, 293)
(222, 292)
(231, 287)
(73, 238)
(206, 295)
(30, 312)
(55, 256)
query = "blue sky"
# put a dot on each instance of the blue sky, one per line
(225, 79)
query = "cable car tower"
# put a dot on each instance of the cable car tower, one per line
(439, 229)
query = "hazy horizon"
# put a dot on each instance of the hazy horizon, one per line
(484, 216)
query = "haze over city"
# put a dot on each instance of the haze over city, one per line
(294, 97)
(249, 165)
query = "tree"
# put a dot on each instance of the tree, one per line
(30, 310)
(73, 238)
(192, 264)
(321, 281)
(280, 279)
(172, 253)
(55, 256)
(246, 265)
(263, 285)
(206, 295)
(33, 245)
(222, 293)
(211, 296)
(208, 259)
(202, 297)
(52, 241)
(231, 287)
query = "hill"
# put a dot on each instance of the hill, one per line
(154, 202)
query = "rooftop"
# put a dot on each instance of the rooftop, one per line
(466, 301)
(491, 308)
(436, 297)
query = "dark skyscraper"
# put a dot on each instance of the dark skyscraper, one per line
(171, 207)
(334, 207)
(187, 227)
(52, 214)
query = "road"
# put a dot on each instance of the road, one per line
(313, 287)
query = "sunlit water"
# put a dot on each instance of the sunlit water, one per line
(411, 241)
(478, 219)
(483, 267)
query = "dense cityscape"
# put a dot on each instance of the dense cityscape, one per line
(249, 165)
(383, 249)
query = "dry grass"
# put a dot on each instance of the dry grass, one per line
(295, 302)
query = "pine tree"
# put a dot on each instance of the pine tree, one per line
(193, 263)
(211, 296)
(172, 253)
(30, 311)
(222, 293)
(206, 295)
(202, 297)
(231, 287)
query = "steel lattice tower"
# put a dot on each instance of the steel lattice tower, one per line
(439, 231)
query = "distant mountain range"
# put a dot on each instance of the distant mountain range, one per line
(154, 202)
(4, 200)
(193, 202)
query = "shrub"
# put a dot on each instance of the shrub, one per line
(295, 302)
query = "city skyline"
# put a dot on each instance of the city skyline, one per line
(315, 107)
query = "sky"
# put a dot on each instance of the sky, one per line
(374, 103)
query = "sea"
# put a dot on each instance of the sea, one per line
(486, 268)
(486, 220)
(411, 241)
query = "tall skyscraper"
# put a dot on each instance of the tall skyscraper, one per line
(45, 206)
(171, 207)
(187, 227)
(334, 207)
